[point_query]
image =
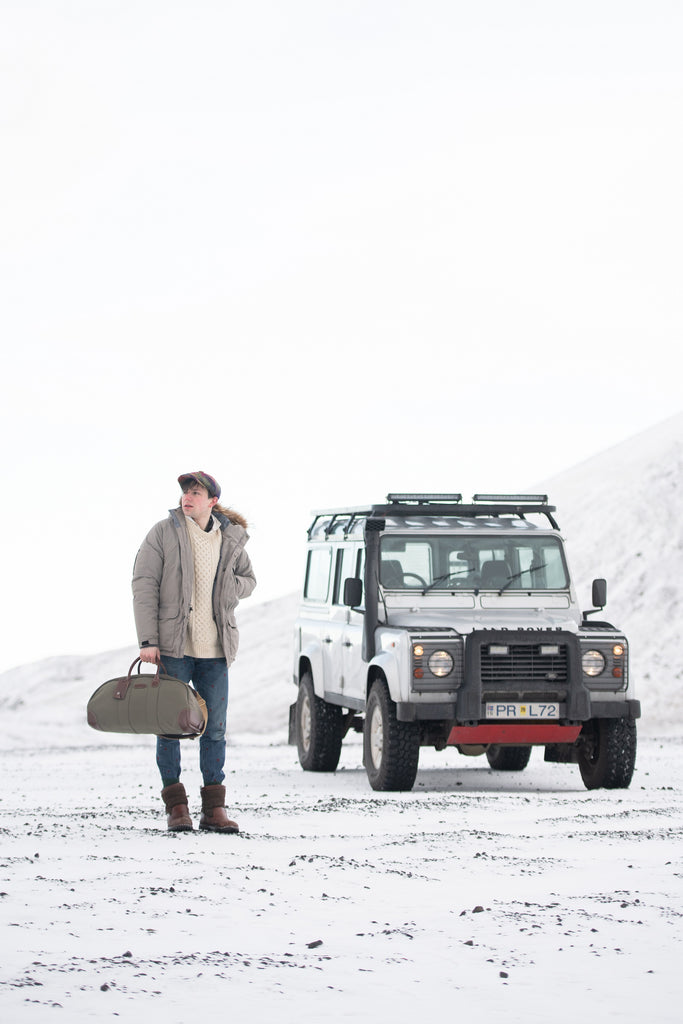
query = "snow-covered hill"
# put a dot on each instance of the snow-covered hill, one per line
(52, 694)
(620, 513)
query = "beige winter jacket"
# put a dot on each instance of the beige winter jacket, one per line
(162, 584)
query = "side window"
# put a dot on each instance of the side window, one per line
(318, 565)
(352, 567)
(359, 570)
(345, 566)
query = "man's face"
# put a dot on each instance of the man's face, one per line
(196, 502)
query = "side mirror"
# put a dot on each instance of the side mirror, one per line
(599, 596)
(353, 592)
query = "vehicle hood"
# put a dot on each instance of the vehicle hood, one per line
(487, 618)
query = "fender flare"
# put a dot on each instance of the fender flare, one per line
(312, 653)
(386, 663)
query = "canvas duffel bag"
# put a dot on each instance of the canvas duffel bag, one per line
(159, 705)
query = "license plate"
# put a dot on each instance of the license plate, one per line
(527, 712)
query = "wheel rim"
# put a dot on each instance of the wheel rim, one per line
(376, 738)
(305, 723)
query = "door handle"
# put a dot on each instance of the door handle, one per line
(328, 640)
(347, 643)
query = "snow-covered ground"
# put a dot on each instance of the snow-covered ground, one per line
(509, 897)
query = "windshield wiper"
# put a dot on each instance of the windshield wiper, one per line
(516, 575)
(449, 576)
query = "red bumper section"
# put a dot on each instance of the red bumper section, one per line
(513, 734)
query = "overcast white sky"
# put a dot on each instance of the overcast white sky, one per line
(322, 250)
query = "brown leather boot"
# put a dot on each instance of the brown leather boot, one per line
(214, 816)
(177, 813)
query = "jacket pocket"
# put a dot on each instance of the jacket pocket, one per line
(231, 640)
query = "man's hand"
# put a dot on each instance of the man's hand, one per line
(150, 654)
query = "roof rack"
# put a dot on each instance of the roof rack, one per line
(442, 505)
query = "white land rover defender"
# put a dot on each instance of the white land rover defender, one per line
(429, 622)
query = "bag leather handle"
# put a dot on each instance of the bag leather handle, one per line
(124, 682)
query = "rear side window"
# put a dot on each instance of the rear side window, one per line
(318, 565)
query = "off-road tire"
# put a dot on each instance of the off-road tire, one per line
(508, 759)
(319, 729)
(607, 753)
(391, 749)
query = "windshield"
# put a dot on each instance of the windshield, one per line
(475, 562)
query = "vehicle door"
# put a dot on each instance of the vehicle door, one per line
(313, 622)
(333, 627)
(353, 666)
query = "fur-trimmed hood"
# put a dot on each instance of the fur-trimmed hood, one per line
(221, 513)
(230, 514)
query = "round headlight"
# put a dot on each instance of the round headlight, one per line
(440, 663)
(593, 663)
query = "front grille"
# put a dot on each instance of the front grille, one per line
(524, 663)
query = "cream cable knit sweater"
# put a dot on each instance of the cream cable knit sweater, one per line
(202, 634)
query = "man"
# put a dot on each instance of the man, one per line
(190, 573)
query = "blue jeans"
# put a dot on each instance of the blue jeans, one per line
(209, 676)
